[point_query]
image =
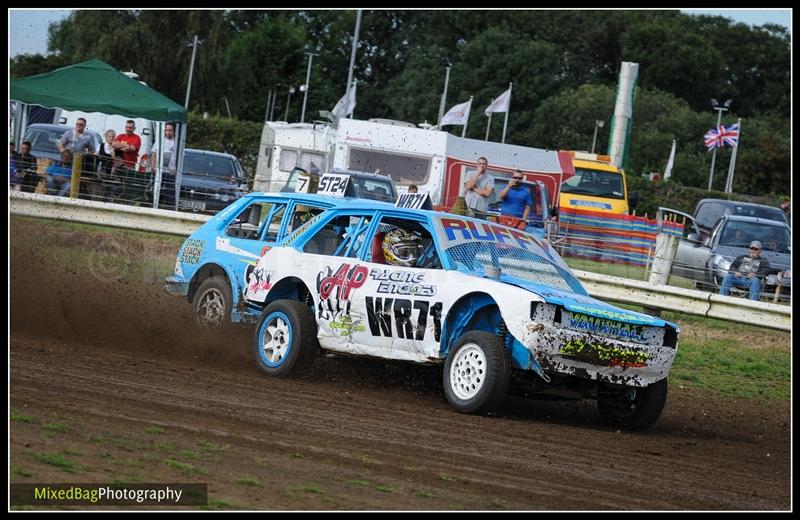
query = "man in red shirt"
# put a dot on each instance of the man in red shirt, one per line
(129, 144)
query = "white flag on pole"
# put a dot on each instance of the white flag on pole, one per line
(340, 110)
(500, 104)
(670, 162)
(458, 115)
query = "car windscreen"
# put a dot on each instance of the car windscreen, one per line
(209, 165)
(43, 139)
(740, 234)
(372, 188)
(595, 183)
(479, 247)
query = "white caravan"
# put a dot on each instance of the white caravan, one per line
(285, 146)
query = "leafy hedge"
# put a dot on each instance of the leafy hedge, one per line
(220, 134)
(683, 198)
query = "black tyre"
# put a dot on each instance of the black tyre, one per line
(213, 303)
(285, 338)
(634, 408)
(477, 373)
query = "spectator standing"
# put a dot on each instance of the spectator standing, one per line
(26, 164)
(516, 202)
(167, 153)
(747, 271)
(129, 145)
(76, 140)
(786, 206)
(59, 175)
(412, 188)
(479, 189)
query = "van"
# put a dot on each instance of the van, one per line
(598, 185)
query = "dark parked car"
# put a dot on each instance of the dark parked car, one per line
(707, 261)
(44, 139)
(210, 181)
(708, 212)
(362, 185)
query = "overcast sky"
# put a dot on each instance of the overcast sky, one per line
(28, 28)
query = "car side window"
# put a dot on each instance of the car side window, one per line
(256, 217)
(343, 235)
(404, 243)
(301, 214)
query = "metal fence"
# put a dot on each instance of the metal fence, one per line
(625, 290)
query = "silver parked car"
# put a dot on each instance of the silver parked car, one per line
(706, 261)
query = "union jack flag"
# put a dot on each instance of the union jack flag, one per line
(722, 136)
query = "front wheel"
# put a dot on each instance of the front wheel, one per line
(213, 302)
(285, 338)
(634, 408)
(477, 373)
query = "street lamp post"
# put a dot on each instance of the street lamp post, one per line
(288, 100)
(304, 88)
(448, 65)
(597, 124)
(193, 45)
(720, 109)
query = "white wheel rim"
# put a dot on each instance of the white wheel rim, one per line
(468, 371)
(275, 340)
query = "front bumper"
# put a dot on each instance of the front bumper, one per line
(176, 286)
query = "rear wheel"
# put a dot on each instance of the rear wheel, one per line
(633, 408)
(285, 338)
(213, 303)
(477, 373)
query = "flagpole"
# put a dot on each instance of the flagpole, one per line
(352, 58)
(732, 167)
(469, 111)
(719, 110)
(488, 125)
(508, 109)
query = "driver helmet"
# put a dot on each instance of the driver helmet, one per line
(401, 248)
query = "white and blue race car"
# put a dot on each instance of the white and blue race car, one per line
(485, 300)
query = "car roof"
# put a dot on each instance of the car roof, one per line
(357, 173)
(737, 203)
(57, 128)
(754, 220)
(210, 152)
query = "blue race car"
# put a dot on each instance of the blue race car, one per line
(484, 300)
(211, 264)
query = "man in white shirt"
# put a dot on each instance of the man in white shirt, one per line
(167, 153)
(168, 145)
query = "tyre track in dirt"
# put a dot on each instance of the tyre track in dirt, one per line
(585, 466)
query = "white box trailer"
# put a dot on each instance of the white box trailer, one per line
(287, 145)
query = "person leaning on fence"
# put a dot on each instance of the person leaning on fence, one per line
(59, 175)
(26, 165)
(516, 202)
(14, 178)
(129, 145)
(747, 271)
(478, 190)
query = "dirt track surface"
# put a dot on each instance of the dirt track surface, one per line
(110, 382)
